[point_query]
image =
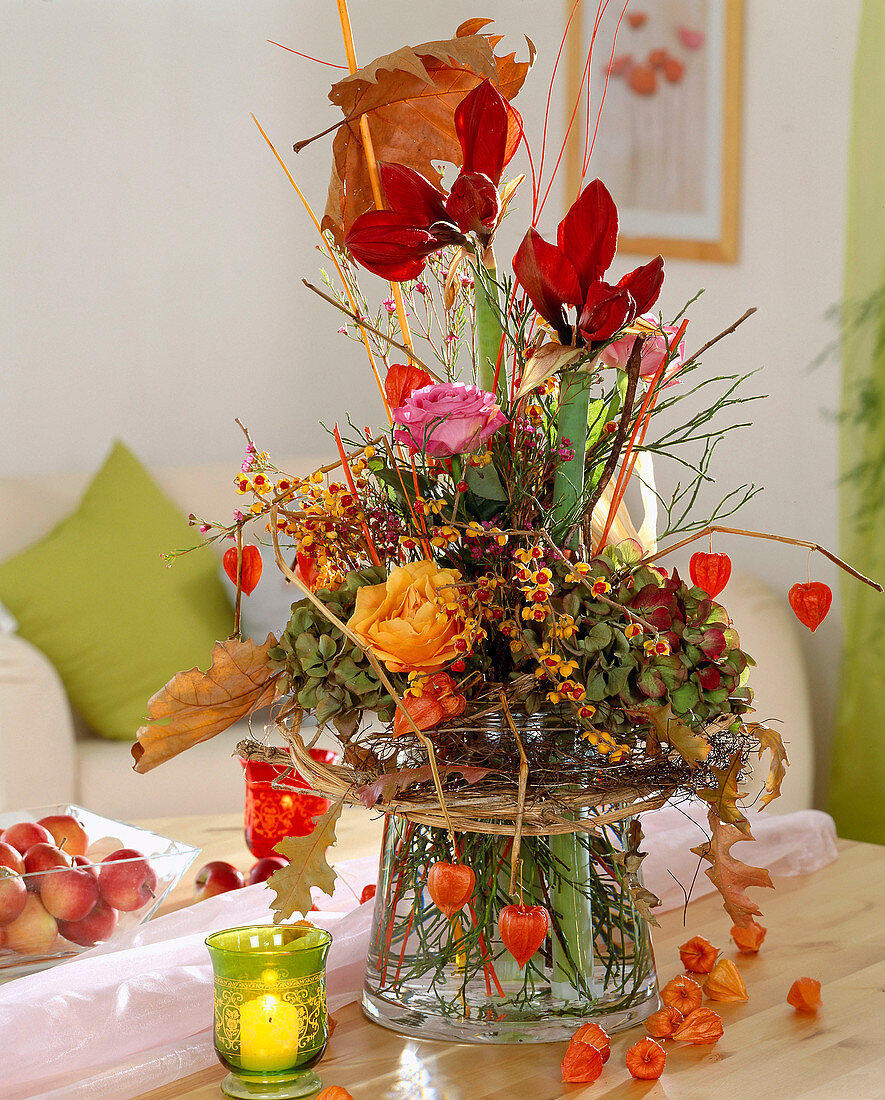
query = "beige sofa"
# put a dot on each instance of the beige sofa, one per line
(47, 756)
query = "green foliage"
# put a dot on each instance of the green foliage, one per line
(325, 671)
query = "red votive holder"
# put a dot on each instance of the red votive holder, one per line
(290, 809)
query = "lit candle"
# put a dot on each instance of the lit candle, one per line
(269, 1033)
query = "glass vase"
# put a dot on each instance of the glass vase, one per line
(433, 977)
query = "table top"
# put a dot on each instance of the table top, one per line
(827, 925)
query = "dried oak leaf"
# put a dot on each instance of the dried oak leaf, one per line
(390, 784)
(195, 705)
(731, 877)
(307, 867)
(770, 740)
(724, 797)
(693, 747)
(409, 98)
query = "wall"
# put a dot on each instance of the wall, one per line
(153, 250)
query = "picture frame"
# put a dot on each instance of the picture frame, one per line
(669, 131)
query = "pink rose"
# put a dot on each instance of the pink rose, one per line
(447, 419)
(653, 352)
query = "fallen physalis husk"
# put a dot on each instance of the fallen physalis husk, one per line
(662, 1024)
(698, 955)
(804, 995)
(582, 1063)
(683, 994)
(700, 1027)
(646, 1060)
(725, 983)
(334, 1092)
(597, 1037)
(748, 939)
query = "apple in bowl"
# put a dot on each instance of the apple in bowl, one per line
(67, 833)
(126, 880)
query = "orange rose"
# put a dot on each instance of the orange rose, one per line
(402, 621)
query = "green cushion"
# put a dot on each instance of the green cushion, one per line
(96, 597)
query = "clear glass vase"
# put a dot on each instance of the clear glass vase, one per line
(433, 977)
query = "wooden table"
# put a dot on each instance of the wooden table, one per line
(828, 925)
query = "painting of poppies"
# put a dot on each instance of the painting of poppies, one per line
(668, 139)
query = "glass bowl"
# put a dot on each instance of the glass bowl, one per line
(126, 891)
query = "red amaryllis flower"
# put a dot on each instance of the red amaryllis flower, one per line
(569, 273)
(421, 219)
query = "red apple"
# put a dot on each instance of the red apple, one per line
(46, 857)
(69, 895)
(264, 868)
(217, 877)
(13, 895)
(25, 834)
(67, 832)
(10, 857)
(85, 865)
(127, 880)
(94, 928)
(34, 932)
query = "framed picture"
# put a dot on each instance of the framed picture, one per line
(668, 143)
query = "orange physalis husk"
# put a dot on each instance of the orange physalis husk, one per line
(700, 1027)
(804, 995)
(582, 1063)
(683, 994)
(725, 983)
(698, 955)
(438, 701)
(662, 1024)
(250, 570)
(334, 1092)
(748, 939)
(646, 1060)
(450, 885)
(596, 1037)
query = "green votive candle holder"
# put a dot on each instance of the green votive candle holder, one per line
(271, 1023)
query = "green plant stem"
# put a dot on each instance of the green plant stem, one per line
(489, 332)
(572, 972)
(571, 430)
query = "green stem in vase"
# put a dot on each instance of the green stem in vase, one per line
(489, 332)
(571, 431)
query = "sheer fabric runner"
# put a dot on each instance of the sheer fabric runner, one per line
(123, 1020)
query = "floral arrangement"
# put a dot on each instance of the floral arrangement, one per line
(512, 673)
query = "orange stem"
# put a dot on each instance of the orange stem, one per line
(373, 553)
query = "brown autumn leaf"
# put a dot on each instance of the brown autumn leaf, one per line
(667, 728)
(731, 877)
(723, 798)
(307, 867)
(195, 705)
(410, 97)
(390, 784)
(770, 740)
(544, 363)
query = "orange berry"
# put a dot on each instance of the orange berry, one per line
(700, 1027)
(662, 1024)
(804, 995)
(682, 994)
(582, 1063)
(596, 1037)
(698, 955)
(646, 1060)
(748, 939)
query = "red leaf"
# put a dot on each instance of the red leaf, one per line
(644, 283)
(588, 234)
(811, 603)
(710, 572)
(481, 126)
(401, 380)
(250, 574)
(387, 786)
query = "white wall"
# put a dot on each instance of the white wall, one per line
(153, 250)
